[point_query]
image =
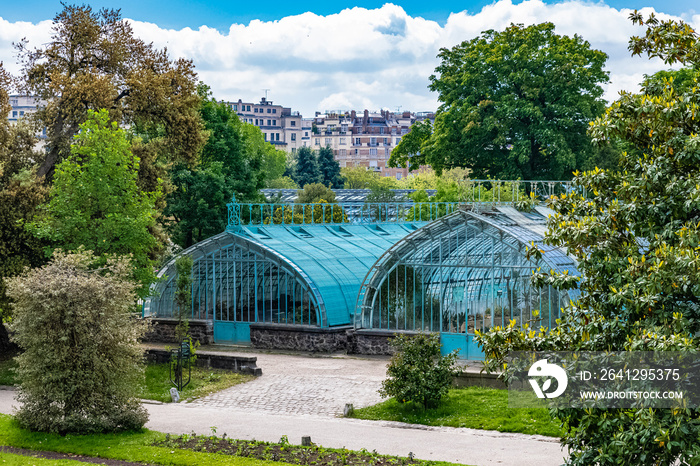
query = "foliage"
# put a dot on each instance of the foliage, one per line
(20, 194)
(314, 192)
(417, 372)
(283, 182)
(319, 212)
(514, 105)
(635, 238)
(93, 61)
(81, 361)
(306, 170)
(473, 408)
(407, 152)
(235, 161)
(362, 178)
(95, 201)
(330, 169)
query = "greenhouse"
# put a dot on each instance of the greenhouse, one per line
(322, 276)
(466, 271)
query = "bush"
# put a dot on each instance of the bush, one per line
(418, 372)
(81, 364)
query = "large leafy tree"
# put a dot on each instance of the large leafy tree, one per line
(95, 201)
(93, 61)
(20, 194)
(635, 236)
(514, 104)
(235, 161)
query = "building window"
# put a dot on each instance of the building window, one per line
(329, 141)
(274, 110)
(293, 123)
(373, 152)
(398, 140)
(256, 121)
(373, 163)
(294, 150)
(342, 141)
(269, 122)
(274, 122)
(294, 136)
(235, 107)
(265, 136)
(317, 141)
(357, 151)
(387, 152)
(306, 134)
(248, 109)
(255, 110)
(357, 141)
(373, 141)
(14, 114)
(343, 152)
(269, 110)
(277, 136)
(381, 130)
(398, 176)
(386, 141)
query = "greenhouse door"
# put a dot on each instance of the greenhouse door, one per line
(465, 343)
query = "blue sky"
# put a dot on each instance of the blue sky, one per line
(344, 55)
(221, 13)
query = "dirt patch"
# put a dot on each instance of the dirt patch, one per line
(52, 455)
(285, 452)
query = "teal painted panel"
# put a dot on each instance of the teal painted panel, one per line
(232, 332)
(454, 341)
(467, 346)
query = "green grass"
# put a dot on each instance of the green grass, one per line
(157, 385)
(127, 446)
(9, 459)
(204, 382)
(7, 374)
(473, 407)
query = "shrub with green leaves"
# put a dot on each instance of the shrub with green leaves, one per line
(417, 371)
(635, 235)
(81, 364)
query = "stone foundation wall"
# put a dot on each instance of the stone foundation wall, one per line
(312, 339)
(162, 330)
(375, 342)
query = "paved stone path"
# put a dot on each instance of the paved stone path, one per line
(300, 385)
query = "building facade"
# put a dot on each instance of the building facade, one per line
(358, 140)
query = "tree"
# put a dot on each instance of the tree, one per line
(635, 237)
(81, 362)
(362, 178)
(330, 169)
(235, 160)
(407, 152)
(315, 192)
(95, 202)
(20, 194)
(93, 62)
(306, 170)
(514, 104)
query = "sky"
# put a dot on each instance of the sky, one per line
(327, 56)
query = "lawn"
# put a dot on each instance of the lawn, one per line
(472, 407)
(204, 382)
(157, 383)
(8, 459)
(156, 448)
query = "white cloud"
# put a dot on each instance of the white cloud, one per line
(359, 58)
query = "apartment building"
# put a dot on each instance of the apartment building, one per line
(365, 140)
(282, 127)
(22, 106)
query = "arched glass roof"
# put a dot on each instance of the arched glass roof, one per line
(329, 262)
(465, 271)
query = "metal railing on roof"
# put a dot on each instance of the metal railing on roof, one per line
(471, 192)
